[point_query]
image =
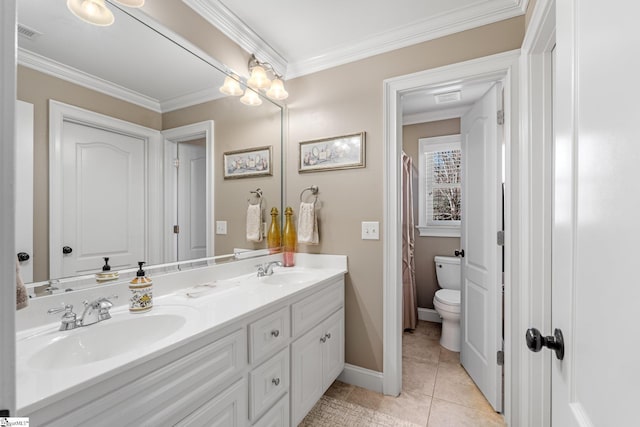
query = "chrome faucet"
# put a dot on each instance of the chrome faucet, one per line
(94, 312)
(267, 269)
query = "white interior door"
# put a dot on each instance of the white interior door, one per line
(104, 200)
(481, 313)
(192, 209)
(24, 189)
(595, 232)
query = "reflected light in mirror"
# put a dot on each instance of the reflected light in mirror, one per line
(231, 86)
(251, 98)
(92, 11)
(276, 91)
(258, 79)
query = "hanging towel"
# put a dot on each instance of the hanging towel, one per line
(22, 297)
(308, 224)
(254, 223)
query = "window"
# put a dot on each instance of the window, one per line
(440, 186)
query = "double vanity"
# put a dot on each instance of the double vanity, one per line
(221, 346)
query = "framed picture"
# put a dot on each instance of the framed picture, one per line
(341, 152)
(247, 163)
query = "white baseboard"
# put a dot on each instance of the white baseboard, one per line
(429, 314)
(365, 378)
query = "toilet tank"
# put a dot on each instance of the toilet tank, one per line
(448, 272)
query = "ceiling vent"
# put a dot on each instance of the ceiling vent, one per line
(28, 33)
(443, 98)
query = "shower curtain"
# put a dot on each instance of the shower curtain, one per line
(410, 299)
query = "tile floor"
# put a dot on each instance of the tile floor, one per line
(436, 391)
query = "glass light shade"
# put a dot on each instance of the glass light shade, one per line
(276, 91)
(130, 3)
(92, 11)
(258, 79)
(231, 87)
(251, 98)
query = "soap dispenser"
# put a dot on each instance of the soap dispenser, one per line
(106, 274)
(141, 288)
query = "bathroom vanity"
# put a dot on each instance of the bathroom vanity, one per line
(220, 347)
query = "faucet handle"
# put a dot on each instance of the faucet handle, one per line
(68, 308)
(68, 318)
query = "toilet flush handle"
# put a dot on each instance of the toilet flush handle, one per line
(459, 253)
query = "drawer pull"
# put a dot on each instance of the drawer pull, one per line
(275, 333)
(323, 339)
(276, 381)
(328, 335)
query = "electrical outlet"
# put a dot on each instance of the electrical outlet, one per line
(370, 230)
(221, 227)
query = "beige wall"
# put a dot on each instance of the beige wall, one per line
(428, 247)
(37, 88)
(237, 127)
(348, 99)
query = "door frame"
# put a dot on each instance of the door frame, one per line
(536, 166)
(8, 43)
(60, 113)
(503, 66)
(204, 129)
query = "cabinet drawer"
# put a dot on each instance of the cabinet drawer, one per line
(315, 308)
(268, 382)
(228, 409)
(268, 334)
(277, 416)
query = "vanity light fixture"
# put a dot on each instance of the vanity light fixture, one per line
(96, 12)
(258, 81)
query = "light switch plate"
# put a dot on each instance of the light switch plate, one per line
(370, 230)
(221, 227)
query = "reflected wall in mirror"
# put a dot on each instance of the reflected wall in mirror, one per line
(122, 198)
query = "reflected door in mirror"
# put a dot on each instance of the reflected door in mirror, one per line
(103, 192)
(192, 209)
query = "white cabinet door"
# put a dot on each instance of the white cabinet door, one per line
(306, 372)
(333, 348)
(24, 187)
(481, 314)
(228, 409)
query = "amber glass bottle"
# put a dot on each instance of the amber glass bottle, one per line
(290, 238)
(273, 236)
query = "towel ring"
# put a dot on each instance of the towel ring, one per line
(258, 194)
(313, 189)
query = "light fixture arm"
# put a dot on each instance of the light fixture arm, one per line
(255, 62)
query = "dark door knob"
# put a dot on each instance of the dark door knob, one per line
(23, 256)
(66, 250)
(535, 341)
(459, 253)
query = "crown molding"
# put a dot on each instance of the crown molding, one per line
(462, 19)
(195, 98)
(233, 27)
(433, 116)
(70, 74)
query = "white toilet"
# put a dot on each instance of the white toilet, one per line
(447, 300)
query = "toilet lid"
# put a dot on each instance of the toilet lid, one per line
(448, 296)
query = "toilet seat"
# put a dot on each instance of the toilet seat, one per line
(448, 296)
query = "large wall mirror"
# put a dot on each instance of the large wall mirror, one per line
(121, 136)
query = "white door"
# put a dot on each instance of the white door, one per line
(24, 189)
(595, 287)
(104, 201)
(481, 308)
(192, 197)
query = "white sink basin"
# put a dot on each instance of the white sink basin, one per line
(121, 334)
(289, 277)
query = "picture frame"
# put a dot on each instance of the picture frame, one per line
(336, 153)
(250, 162)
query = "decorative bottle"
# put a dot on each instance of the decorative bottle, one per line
(273, 236)
(141, 297)
(290, 238)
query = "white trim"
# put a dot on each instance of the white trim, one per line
(361, 377)
(58, 114)
(205, 130)
(230, 25)
(64, 72)
(8, 11)
(429, 315)
(494, 67)
(534, 405)
(433, 116)
(190, 99)
(465, 18)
